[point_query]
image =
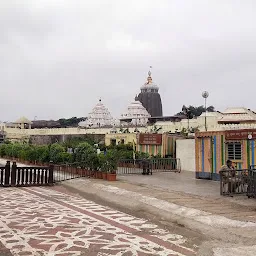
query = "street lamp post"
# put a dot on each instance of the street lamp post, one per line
(205, 95)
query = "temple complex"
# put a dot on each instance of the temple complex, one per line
(135, 115)
(150, 98)
(98, 117)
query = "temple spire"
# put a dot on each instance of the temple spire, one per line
(149, 75)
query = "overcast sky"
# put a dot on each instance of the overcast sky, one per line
(58, 57)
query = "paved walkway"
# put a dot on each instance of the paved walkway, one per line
(185, 190)
(51, 221)
(227, 224)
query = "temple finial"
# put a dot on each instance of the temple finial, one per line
(149, 72)
(149, 75)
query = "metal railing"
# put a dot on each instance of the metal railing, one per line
(64, 172)
(233, 182)
(251, 190)
(140, 166)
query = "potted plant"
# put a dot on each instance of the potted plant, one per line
(103, 167)
(111, 165)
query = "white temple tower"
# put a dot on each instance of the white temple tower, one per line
(98, 117)
(135, 115)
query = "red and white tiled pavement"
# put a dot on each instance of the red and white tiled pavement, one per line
(49, 221)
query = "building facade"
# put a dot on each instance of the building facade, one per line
(213, 149)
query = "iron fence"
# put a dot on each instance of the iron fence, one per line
(68, 171)
(251, 190)
(148, 166)
(237, 182)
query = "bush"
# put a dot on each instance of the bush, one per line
(43, 154)
(2, 149)
(83, 152)
(56, 153)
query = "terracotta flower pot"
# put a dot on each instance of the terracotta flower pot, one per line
(92, 174)
(104, 175)
(100, 175)
(111, 176)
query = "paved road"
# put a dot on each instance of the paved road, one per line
(51, 221)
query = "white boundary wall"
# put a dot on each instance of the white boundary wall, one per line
(185, 151)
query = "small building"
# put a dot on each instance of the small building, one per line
(157, 144)
(120, 138)
(213, 149)
(151, 143)
(238, 116)
(23, 123)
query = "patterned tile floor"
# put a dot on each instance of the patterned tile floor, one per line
(49, 222)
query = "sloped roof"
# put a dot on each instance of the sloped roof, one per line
(237, 110)
(237, 114)
(23, 120)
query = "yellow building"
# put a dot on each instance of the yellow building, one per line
(120, 138)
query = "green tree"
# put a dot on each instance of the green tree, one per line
(193, 111)
(71, 122)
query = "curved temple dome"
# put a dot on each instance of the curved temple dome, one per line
(98, 117)
(136, 114)
(150, 98)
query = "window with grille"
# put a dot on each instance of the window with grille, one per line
(234, 151)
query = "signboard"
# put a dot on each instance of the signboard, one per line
(240, 135)
(150, 139)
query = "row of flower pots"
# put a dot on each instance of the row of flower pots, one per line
(74, 170)
(100, 175)
(105, 176)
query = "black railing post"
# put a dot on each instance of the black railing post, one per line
(51, 169)
(7, 174)
(13, 174)
(221, 185)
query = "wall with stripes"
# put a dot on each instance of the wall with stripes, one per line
(167, 148)
(211, 154)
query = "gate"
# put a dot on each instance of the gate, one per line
(155, 165)
(25, 176)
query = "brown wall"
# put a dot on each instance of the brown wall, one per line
(49, 139)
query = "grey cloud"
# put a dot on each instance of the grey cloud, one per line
(58, 57)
